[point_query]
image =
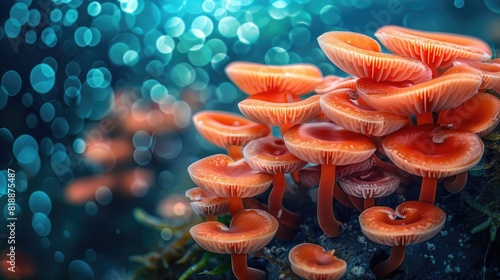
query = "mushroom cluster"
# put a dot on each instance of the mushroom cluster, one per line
(415, 115)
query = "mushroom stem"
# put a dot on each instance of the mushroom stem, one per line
(428, 190)
(357, 202)
(235, 152)
(341, 196)
(392, 263)
(235, 205)
(425, 118)
(326, 218)
(456, 183)
(210, 218)
(369, 202)
(242, 271)
(276, 195)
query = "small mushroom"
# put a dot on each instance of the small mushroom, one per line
(369, 184)
(206, 204)
(282, 114)
(220, 175)
(255, 78)
(250, 230)
(229, 131)
(412, 222)
(312, 262)
(270, 155)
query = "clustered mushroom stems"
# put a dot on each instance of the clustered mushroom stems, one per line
(426, 75)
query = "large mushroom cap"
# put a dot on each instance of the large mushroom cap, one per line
(480, 115)
(433, 152)
(412, 222)
(255, 78)
(220, 175)
(433, 48)
(359, 55)
(225, 129)
(250, 230)
(451, 89)
(311, 261)
(270, 155)
(277, 114)
(342, 107)
(328, 143)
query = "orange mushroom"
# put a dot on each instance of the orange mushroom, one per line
(229, 131)
(206, 204)
(412, 222)
(310, 177)
(490, 71)
(220, 175)
(108, 152)
(270, 155)
(332, 82)
(327, 144)
(359, 55)
(312, 262)
(369, 184)
(435, 49)
(250, 230)
(269, 80)
(455, 86)
(280, 114)
(342, 107)
(480, 114)
(433, 152)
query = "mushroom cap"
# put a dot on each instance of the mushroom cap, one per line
(489, 70)
(432, 151)
(371, 183)
(359, 55)
(447, 91)
(433, 48)
(333, 82)
(479, 115)
(250, 230)
(226, 129)
(255, 78)
(277, 114)
(328, 143)
(311, 261)
(412, 222)
(205, 203)
(342, 108)
(220, 175)
(270, 155)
